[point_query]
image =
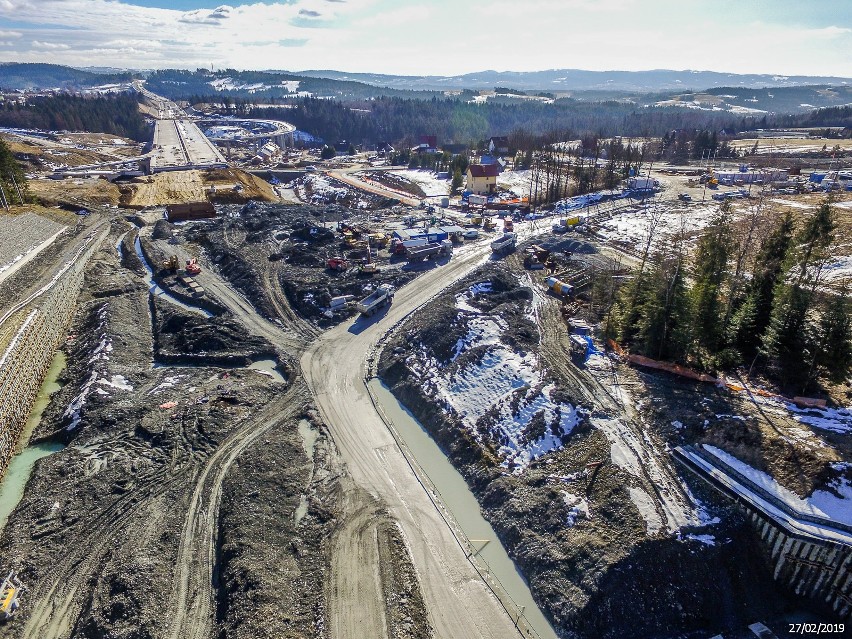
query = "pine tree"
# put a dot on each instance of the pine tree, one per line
(789, 337)
(457, 182)
(710, 271)
(834, 354)
(750, 321)
(812, 246)
(12, 177)
(664, 317)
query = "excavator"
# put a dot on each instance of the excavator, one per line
(171, 264)
(370, 267)
(193, 267)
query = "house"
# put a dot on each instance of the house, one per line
(455, 149)
(431, 142)
(482, 178)
(498, 145)
(269, 151)
(383, 148)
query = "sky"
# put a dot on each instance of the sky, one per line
(435, 37)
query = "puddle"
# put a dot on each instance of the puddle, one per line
(268, 367)
(301, 510)
(461, 502)
(309, 437)
(21, 465)
(154, 288)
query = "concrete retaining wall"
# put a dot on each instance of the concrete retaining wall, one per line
(27, 358)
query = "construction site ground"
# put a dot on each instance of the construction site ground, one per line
(198, 497)
(626, 549)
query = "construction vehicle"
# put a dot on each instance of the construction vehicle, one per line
(535, 258)
(378, 239)
(382, 296)
(193, 267)
(504, 244)
(370, 268)
(10, 590)
(336, 264)
(579, 346)
(171, 264)
(508, 225)
(430, 250)
(489, 224)
(476, 220)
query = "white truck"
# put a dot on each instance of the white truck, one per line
(373, 302)
(504, 244)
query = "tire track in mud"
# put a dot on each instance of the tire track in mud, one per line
(672, 502)
(193, 607)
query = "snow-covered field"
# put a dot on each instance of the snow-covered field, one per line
(500, 391)
(428, 181)
(631, 225)
(516, 181)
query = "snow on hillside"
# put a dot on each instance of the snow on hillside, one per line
(822, 503)
(428, 181)
(500, 392)
(229, 84)
(517, 181)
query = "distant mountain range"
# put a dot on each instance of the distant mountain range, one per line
(18, 75)
(697, 90)
(563, 80)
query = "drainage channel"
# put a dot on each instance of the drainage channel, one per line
(155, 289)
(462, 504)
(21, 466)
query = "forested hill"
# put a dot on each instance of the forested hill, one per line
(17, 76)
(115, 114)
(261, 86)
(456, 121)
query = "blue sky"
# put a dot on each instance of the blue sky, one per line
(436, 37)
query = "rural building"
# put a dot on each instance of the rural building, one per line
(383, 148)
(482, 178)
(498, 145)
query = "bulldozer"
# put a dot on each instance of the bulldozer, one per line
(489, 224)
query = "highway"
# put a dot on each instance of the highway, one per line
(178, 142)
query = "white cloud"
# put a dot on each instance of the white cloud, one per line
(436, 37)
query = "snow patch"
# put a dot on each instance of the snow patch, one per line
(647, 509)
(834, 504)
(577, 507)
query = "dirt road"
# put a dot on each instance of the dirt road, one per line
(348, 176)
(459, 603)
